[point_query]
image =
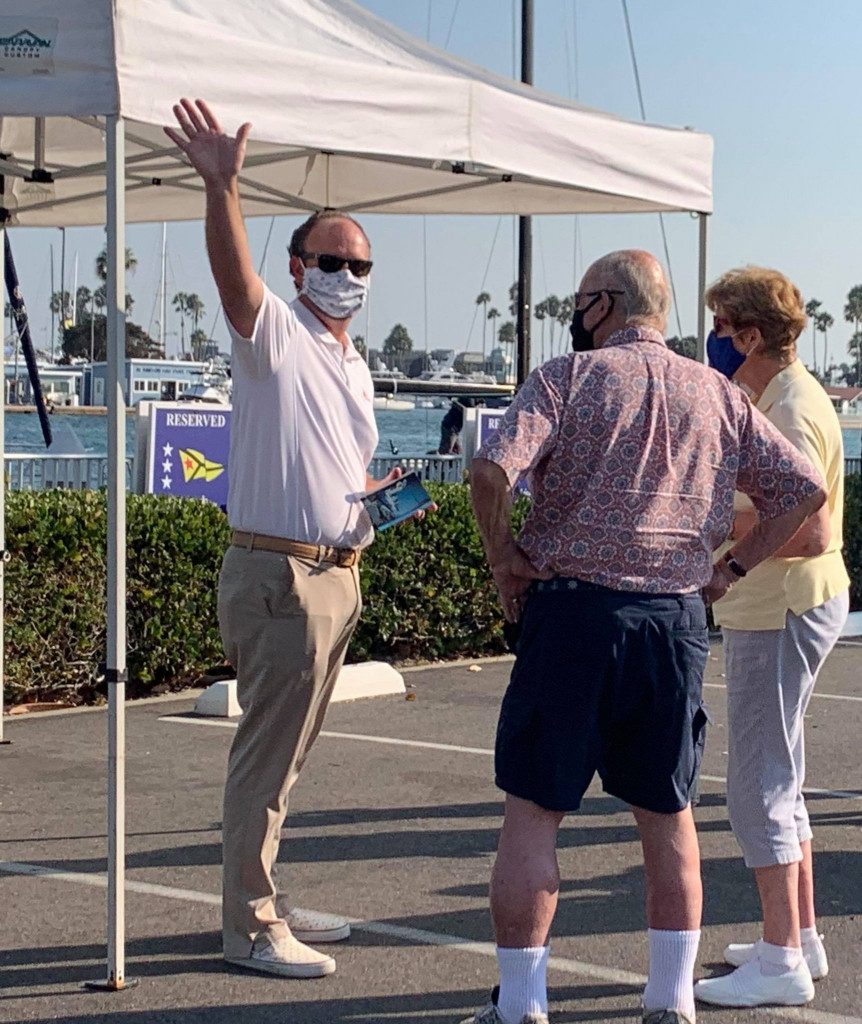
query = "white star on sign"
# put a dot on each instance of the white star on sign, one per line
(167, 450)
(166, 483)
(167, 465)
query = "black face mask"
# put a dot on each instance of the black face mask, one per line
(582, 337)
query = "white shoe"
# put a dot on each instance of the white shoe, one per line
(748, 986)
(311, 925)
(287, 957)
(739, 953)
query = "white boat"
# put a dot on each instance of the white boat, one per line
(390, 403)
(445, 376)
(214, 386)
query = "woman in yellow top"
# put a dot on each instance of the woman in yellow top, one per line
(779, 623)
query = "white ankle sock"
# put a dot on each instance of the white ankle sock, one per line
(671, 971)
(810, 936)
(775, 960)
(523, 982)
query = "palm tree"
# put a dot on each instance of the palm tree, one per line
(540, 311)
(513, 300)
(854, 347)
(811, 308)
(179, 303)
(197, 343)
(552, 305)
(565, 314)
(822, 322)
(60, 302)
(482, 299)
(493, 316)
(195, 309)
(853, 314)
(507, 336)
(102, 263)
(83, 297)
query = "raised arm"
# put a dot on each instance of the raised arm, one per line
(218, 159)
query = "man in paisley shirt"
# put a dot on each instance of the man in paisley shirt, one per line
(632, 454)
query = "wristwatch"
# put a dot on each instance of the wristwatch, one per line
(738, 571)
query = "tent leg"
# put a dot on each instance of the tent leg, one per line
(3, 741)
(701, 287)
(115, 668)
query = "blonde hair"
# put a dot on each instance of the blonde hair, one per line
(762, 298)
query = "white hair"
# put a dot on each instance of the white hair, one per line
(642, 281)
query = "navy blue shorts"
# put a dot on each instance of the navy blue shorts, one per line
(605, 681)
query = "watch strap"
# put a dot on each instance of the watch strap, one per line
(738, 571)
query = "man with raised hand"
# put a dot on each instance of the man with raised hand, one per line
(302, 435)
(633, 454)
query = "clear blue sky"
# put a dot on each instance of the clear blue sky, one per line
(776, 84)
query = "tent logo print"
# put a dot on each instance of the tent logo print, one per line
(196, 466)
(24, 44)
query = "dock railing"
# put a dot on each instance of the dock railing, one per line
(40, 472)
(37, 472)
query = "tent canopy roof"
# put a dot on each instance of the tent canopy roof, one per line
(347, 112)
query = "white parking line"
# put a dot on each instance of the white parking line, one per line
(821, 696)
(562, 965)
(837, 794)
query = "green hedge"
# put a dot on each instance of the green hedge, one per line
(427, 591)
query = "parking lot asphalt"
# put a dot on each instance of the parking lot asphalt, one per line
(393, 824)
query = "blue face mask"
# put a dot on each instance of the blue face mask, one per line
(722, 356)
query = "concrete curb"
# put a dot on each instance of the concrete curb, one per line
(355, 682)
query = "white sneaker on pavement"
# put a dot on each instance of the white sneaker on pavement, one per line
(739, 953)
(287, 957)
(312, 925)
(489, 1014)
(748, 986)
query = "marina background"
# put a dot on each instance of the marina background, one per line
(411, 432)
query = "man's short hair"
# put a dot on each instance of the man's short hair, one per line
(646, 295)
(762, 298)
(298, 238)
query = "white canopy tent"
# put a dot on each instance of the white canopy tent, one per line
(348, 112)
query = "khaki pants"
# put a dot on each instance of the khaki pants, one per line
(285, 624)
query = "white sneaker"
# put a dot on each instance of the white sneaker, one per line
(739, 953)
(311, 925)
(748, 986)
(287, 957)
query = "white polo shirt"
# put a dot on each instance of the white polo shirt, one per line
(303, 431)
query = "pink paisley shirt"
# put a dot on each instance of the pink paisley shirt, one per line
(632, 454)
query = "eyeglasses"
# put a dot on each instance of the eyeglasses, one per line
(331, 264)
(590, 295)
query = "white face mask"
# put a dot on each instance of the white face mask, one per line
(339, 295)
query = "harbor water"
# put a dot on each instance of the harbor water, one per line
(411, 432)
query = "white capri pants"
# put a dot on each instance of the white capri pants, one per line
(770, 678)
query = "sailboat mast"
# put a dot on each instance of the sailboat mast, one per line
(163, 292)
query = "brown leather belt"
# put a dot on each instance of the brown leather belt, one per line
(342, 557)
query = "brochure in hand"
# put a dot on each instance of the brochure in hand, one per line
(396, 501)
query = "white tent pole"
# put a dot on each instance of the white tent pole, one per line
(115, 668)
(701, 287)
(163, 293)
(3, 481)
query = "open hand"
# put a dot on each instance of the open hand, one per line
(216, 157)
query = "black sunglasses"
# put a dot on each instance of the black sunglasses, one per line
(331, 264)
